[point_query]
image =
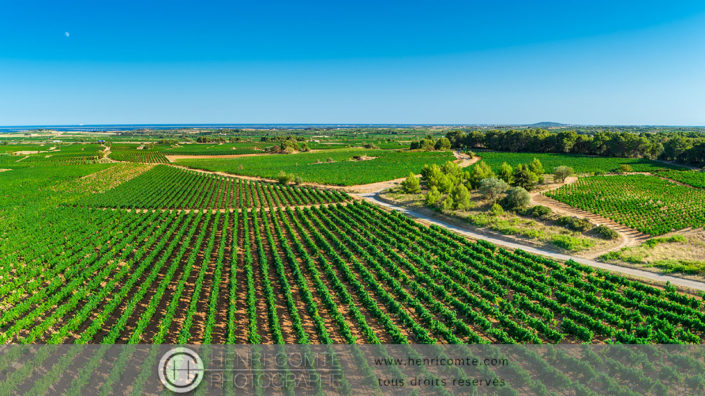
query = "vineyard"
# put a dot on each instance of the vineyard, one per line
(335, 166)
(166, 187)
(646, 203)
(348, 273)
(140, 156)
(692, 178)
(580, 163)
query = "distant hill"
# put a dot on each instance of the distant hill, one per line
(547, 124)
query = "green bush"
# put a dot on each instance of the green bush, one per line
(538, 211)
(568, 242)
(516, 198)
(492, 188)
(574, 223)
(285, 178)
(605, 232)
(496, 210)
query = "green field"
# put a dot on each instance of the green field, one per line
(647, 203)
(579, 163)
(315, 167)
(693, 178)
(217, 149)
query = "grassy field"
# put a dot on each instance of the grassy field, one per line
(647, 203)
(683, 252)
(579, 163)
(335, 167)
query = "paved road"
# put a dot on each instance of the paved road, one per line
(692, 284)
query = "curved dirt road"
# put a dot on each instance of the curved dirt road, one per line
(631, 272)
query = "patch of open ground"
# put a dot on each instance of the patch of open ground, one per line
(681, 251)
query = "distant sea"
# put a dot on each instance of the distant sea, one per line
(125, 127)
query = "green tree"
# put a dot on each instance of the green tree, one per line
(442, 144)
(525, 178)
(432, 196)
(506, 173)
(492, 188)
(461, 197)
(478, 172)
(561, 173)
(411, 184)
(537, 167)
(431, 174)
(447, 203)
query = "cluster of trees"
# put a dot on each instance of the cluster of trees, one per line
(429, 144)
(288, 146)
(211, 139)
(672, 146)
(449, 187)
(526, 176)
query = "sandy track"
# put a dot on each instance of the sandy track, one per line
(630, 272)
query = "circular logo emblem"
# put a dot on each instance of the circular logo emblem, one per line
(181, 370)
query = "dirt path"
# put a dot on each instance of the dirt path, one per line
(628, 236)
(5, 170)
(630, 272)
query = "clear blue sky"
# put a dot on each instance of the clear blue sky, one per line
(589, 62)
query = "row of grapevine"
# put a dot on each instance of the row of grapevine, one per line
(166, 187)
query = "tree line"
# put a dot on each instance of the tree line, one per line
(685, 148)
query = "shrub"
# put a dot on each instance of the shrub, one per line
(285, 178)
(298, 180)
(605, 232)
(568, 242)
(516, 198)
(561, 173)
(574, 223)
(492, 188)
(496, 210)
(539, 211)
(624, 168)
(411, 184)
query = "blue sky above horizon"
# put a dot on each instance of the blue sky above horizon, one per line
(582, 62)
